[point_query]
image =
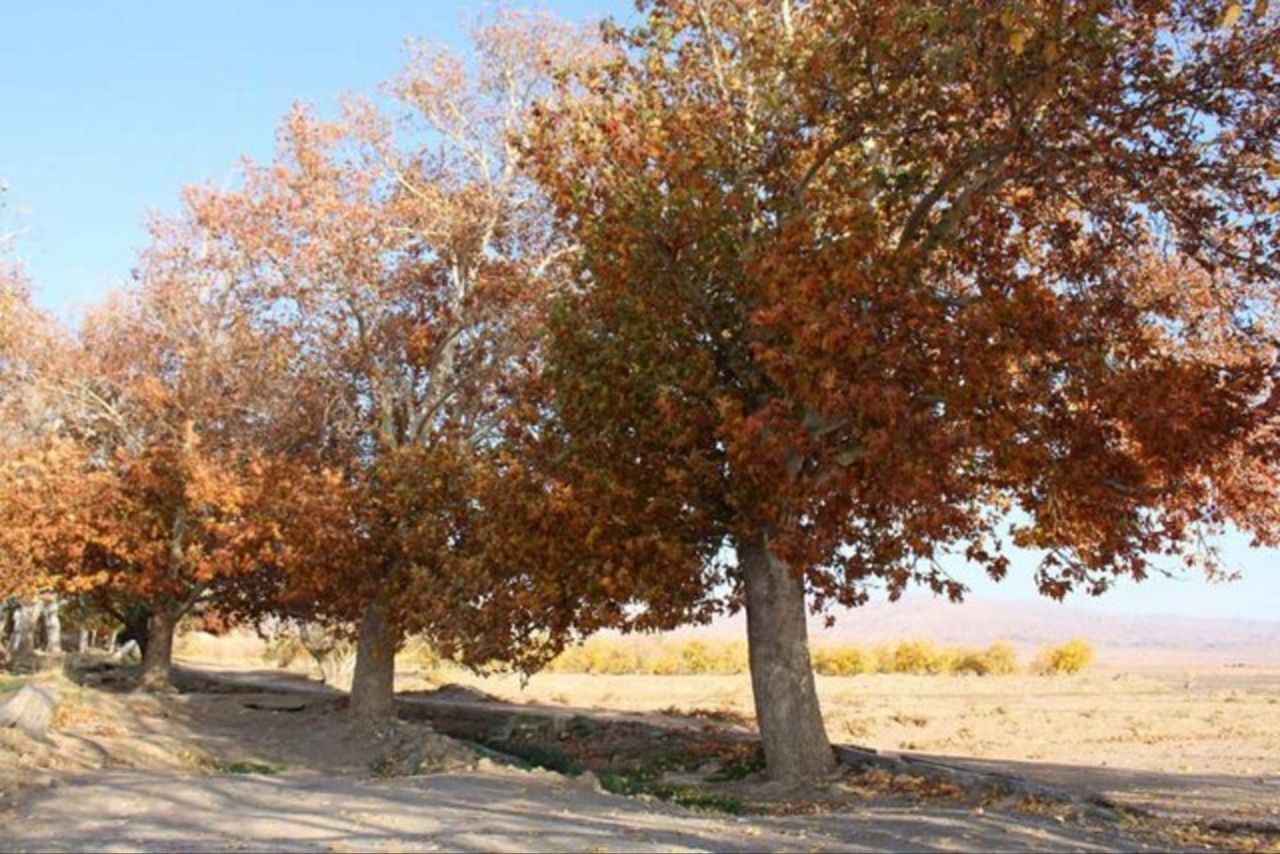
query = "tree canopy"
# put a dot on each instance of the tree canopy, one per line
(875, 283)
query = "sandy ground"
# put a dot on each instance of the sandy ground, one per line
(479, 811)
(1213, 719)
(1207, 713)
(123, 771)
(252, 771)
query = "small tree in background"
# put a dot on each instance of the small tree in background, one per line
(141, 492)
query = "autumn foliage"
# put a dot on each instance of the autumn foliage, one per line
(762, 306)
(868, 284)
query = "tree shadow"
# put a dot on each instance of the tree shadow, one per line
(140, 810)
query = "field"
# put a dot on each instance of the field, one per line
(1214, 719)
(1180, 731)
(1182, 751)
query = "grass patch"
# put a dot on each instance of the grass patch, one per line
(638, 783)
(251, 766)
(12, 683)
(739, 767)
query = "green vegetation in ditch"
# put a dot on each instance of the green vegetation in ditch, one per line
(641, 783)
(739, 768)
(251, 766)
(629, 783)
(12, 683)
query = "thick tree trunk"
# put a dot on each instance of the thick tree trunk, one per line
(157, 658)
(795, 741)
(373, 684)
(52, 627)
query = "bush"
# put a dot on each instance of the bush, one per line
(663, 657)
(421, 655)
(918, 657)
(330, 649)
(658, 657)
(999, 659)
(843, 661)
(1064, 659)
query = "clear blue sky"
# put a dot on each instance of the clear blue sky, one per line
(107, 108)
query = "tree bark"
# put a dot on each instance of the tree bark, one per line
(157, 657)
(23, 639)
(82, 641)
(137, 620)
(373, 683)
(795, 741)
(52, 626)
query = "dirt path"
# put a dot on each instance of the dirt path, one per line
(495, 810)
(125, 772)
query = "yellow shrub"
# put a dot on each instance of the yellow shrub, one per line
(664, 665)
(919, 657)
(999, 659)
(690, 657)
(653, 656)
(695, 657)
(719, 658)
(420, 654)
(608, 656)
(843, 661)
(1064, 659)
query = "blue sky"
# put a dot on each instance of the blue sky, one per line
(108, 108)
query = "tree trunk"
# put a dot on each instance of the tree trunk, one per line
(157, 658)
(796, 748)
(137, 620)
(23, 639)
(373, 684)
(52, 627)
(82, 641)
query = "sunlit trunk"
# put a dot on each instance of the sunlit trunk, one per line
(795, 741)
(52, 626)
(22, 641)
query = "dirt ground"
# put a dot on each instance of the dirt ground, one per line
(1153, 711)
(480, 811)
(1192, 741)
(229, 766)
(1215, 719)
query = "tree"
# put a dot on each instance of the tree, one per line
(31, 351)
(864, 284)
(145, 492)
(30, 346)
(402, 272)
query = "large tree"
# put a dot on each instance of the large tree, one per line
(864, 284)
(400, 255)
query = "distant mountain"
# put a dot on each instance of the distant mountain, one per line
(1033, 623)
